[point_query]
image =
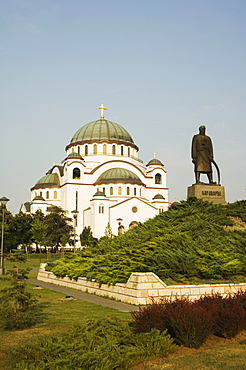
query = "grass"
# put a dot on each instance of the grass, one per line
(58, 315)
(215, 354)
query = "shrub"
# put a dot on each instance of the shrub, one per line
(149, 317)
(98, 344)
(229, 313)
(187, 322)
(18, 307)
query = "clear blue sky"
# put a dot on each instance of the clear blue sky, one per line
(161, 67)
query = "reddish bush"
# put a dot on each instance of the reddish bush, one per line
(149, 317)
(188, 323)
(229, 313)
(185, 321)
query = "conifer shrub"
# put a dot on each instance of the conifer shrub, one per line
(19, 308)
(98, 344)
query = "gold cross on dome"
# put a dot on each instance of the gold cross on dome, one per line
(102, 108)
(154, 155)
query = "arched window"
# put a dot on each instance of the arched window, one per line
(113, 150)
(129, 152)
(127, 190)
(86, 150)
(47, 195)
(103, 190)
(40, 193)
(104, 149)
(158, 178)
(135, 191)
(95, 149)
(122, 150)
(140, 192)
(101, 208)
(76, 173)
(119, 190)
(55, 194)
(79, 149)
(161, 210)
(111, 191)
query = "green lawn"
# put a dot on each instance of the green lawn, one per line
(215, 354)
(58, 315)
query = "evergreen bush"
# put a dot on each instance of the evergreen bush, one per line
(98, 344)
(189, 240)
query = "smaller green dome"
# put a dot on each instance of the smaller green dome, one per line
(38, 197)
(50, 180)
(74, 155)
(99, 193)
(118, 175)
(155, 162)
(158, 196)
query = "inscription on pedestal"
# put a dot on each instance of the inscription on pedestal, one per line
(211, 193)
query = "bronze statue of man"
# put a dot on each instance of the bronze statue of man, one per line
(202, 155)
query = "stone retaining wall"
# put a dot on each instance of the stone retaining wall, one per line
(140, 288)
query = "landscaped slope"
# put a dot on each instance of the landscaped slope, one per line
(189, 240)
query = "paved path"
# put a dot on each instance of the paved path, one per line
(124, 307)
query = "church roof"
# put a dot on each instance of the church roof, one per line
(154, 162)
(38, 197)
(50, 180)
(118, 175)
(158, 196)
(102, 129)
(74, 155)
(99, 193)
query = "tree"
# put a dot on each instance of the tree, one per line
(86, 237)
(20, 230)
(39, 232)
(108, 231)
(58, 224)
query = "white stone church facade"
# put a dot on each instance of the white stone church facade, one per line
(102, 182)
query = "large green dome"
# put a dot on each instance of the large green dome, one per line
(102, 130)
(118, 175)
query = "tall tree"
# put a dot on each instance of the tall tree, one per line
(20, 229)
(58, 224)
(39, 232)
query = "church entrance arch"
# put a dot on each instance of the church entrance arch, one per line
(133, 224)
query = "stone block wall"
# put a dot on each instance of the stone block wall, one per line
(140, 288)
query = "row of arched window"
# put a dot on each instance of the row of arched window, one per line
(119, 191)
(48, 194)
(106, 151)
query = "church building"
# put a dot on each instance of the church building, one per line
(101, 182)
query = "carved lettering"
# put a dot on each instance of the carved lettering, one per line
(211, 193)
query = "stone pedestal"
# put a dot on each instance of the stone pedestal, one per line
(211, 193)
